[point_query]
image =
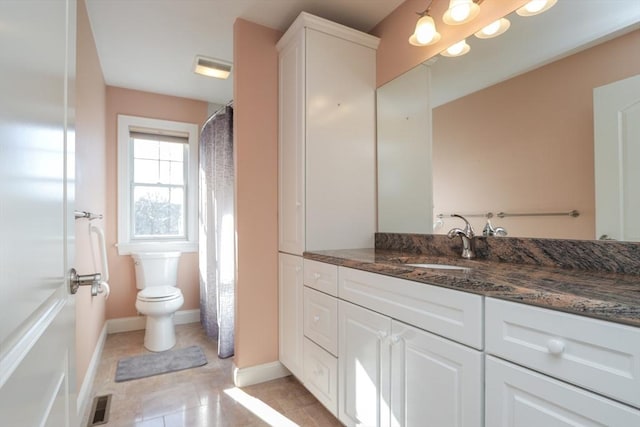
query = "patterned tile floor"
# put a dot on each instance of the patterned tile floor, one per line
(199, 397)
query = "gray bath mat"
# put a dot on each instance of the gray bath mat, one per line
(131, 368)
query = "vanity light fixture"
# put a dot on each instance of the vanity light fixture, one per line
(461, 12)
(212, 67)
(457, 49)
(535, 7)
(494, 29)
(425, 32)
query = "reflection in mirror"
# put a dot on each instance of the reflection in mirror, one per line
(404, 154)
(524, 144)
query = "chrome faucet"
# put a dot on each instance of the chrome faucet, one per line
(490, 230)
(467, 235)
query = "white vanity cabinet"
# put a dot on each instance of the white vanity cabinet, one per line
(393, 374)
(586, 354)
(326, 159)
(412, 354)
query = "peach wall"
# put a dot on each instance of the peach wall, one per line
(396, 55)
(494, 162)
(143, 104)
(256, 159)
(90, 185)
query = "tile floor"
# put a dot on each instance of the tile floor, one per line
(199, 397)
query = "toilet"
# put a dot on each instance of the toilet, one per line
(158, 298)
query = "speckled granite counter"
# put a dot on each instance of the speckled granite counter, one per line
(609, 296)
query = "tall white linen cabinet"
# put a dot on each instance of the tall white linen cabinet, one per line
(326, 157)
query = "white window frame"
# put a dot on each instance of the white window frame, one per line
(125, 245)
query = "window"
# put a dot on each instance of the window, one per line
(157, 180)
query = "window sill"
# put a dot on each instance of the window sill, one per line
(167, 246)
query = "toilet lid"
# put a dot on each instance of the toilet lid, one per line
(156, 293)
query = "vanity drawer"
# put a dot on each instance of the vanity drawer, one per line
(321, 276)
(515, 396)
(321, 375)
(594, 354)
(452, 314)
(321, 319)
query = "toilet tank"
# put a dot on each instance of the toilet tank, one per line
(156, 268)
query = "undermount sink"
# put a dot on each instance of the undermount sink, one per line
(439, 266)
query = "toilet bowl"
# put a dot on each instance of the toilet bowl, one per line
(158, 298)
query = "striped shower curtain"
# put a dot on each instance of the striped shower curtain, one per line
(217, 244)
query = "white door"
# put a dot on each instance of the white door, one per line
(434, 381)
(616, 110)
(363, 366)
(37, 378)
(340, 200)
(290, 303)
(291, 149)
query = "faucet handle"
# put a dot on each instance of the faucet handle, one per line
(468, 229)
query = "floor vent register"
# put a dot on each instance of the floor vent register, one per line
(99, 410)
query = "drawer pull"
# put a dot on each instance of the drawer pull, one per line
(555, 346)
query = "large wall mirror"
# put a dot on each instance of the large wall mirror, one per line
(506, 132)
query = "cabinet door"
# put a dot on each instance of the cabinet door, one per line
(363, 366)
(291, 174)
(434, 381)
(290, 312)
(340, 143)
(518, 397)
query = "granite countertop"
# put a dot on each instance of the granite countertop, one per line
(608, 296)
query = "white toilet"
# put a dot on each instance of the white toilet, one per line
(159, 298)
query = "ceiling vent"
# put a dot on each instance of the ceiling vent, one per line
(212, 67)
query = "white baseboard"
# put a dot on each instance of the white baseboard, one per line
(137, 323)
(87, 383)
(258, 374)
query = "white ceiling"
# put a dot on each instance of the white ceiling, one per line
(150, 45)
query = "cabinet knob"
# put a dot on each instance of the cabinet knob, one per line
(382, 335)
(316, 318)
(316, 276)
(555, 346)
(395, 339)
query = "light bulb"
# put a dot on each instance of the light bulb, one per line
(455, 49)
(492, 28)
(535, 6)
(425, 30)
(460, 12)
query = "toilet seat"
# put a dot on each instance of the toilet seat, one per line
(159, 294)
